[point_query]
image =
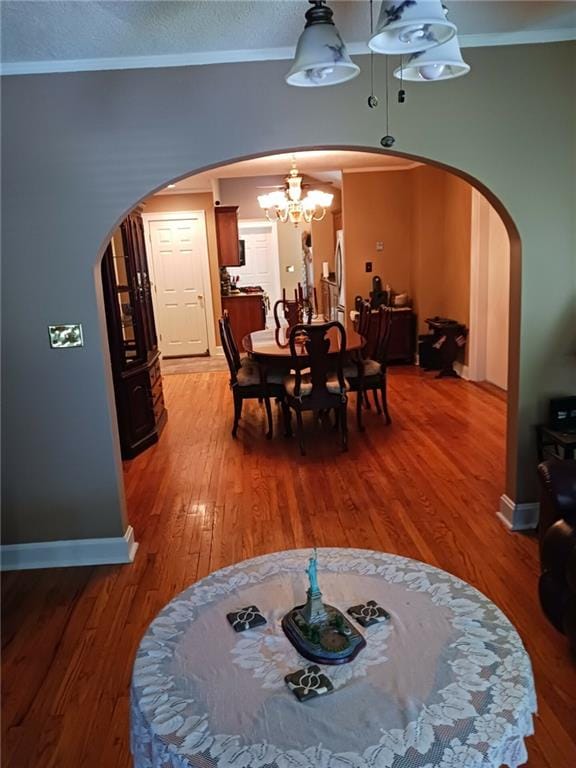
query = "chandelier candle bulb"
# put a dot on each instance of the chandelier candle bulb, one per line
(289, 205)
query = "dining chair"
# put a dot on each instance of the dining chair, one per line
(318, 382)
(231, 338)
(368, 372)
(247, 379)
(293, 312)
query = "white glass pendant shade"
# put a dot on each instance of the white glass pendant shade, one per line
(441, 63)
(406, 26)
(321, 57)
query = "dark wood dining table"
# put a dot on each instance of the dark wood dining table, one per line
(271, 348)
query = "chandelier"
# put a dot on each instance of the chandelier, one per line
(289, 205)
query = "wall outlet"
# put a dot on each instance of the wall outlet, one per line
(379, 245)
(368, 266)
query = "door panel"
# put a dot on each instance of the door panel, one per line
(261, 266)
(178, 248)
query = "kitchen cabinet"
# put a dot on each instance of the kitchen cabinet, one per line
(227, 235)
(247, 313)
(132, 339)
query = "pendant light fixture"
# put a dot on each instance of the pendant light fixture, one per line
(408, 26)
(443, 62)
(321, 57)
(289, 205)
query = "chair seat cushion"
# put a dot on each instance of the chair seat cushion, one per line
(371, 368)
(332, 385)
(275, 378)
(248, 375)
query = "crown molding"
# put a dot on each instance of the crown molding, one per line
(164, 192)
(522, 37)
(379, 168)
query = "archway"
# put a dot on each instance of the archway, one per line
(515, 273)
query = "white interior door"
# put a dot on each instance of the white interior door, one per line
(261, 266)
(178, 251)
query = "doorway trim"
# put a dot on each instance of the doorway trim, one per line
(273, 226)
(205, 265)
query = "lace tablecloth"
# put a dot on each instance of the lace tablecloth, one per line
(446, 683)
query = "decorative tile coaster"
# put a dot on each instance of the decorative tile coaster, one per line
(246, 618)
(367, 614)
(308, 683)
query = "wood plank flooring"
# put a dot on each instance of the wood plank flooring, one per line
(426, 487)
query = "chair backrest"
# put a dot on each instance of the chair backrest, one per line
(294, 312)
(231, 340)
(225, 336)
(314, 341)
(384, 324)
(364, 320)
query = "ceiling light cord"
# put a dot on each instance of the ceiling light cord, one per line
(372, 99)
(401, 92)
(388, 140)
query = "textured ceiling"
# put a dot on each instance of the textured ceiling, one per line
(89, 34)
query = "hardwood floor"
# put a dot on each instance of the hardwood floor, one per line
(426, 487)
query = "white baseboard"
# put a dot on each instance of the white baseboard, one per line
(518, 517)
(60, 554)
(219, 351)
(462, 370)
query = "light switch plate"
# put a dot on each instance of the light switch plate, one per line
(379, 245)
(65, 336)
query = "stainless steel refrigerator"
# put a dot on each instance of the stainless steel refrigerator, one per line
(340, 310)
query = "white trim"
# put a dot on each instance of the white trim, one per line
(183, 191)
(62, 554)
(462, 370)
(197, 58)
(219, 351)
(208, 301)
(518, 517)
(408, 166)
(273, 225)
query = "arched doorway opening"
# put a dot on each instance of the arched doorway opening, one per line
(514, 292)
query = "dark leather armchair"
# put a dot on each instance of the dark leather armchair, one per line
(557, 532)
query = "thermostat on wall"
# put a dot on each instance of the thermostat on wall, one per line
(65, 336)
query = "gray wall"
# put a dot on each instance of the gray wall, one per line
(79, 150)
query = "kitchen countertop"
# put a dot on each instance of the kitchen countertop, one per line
(240, 295)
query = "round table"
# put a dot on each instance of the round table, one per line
(445, 683)
(271, 347)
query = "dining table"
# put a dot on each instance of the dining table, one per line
(443, 682)
(270, 348)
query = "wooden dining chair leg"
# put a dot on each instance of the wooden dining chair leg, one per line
(366, 400)
(385, 401)
(359, 399)
(286, 418)
(344, 426)
(376, 401)
(300, 427)
(336, 418)
(269, 417)
(237, 411)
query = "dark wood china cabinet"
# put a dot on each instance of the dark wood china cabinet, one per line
(132, 338)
